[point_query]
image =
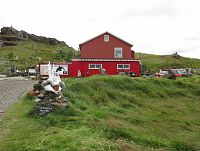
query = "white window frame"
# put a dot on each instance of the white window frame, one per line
(123, 66)
(95, 66)
(116, 49)
(106, 38)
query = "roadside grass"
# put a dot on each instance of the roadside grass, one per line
(111, 113)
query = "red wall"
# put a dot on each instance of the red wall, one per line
(98, 48)
(132, 54)
(110, 66)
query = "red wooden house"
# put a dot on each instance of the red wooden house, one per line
(104, 51)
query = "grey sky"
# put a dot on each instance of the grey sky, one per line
(152, 26)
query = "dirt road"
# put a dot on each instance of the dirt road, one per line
(11, 89)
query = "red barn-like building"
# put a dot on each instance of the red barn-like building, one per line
(104, 51)
(106, 46)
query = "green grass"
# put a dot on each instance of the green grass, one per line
(28, 53)
(111, 113)
(157, 62)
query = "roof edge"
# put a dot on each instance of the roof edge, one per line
(104, 60)
(109, 34)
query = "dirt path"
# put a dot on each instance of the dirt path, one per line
(11, 89)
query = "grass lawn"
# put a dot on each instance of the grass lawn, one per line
(111, 113)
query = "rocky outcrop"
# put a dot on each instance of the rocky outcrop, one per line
(4, 44)
(24, 35)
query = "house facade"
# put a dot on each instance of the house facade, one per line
(106, 46)
(105, 51)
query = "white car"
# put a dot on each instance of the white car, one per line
(163, 73)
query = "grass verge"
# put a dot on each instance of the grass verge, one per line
(111, 113)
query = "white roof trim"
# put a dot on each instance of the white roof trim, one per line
(106, 60)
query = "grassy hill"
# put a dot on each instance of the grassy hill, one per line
(26, 53)
(111, 113)
(156, 62)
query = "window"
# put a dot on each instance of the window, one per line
(118, 53)
(95, 66)
(123, 66)
(126, 66)
(106, 38)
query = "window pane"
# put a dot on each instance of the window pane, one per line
(126, 66)
(106, 38)
(95, 66)
(92, 65)
(98, 65)
(118, 52)
(120, 66)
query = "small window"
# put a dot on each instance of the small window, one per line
(123, 66)
(95, 66)
(120, 66)
(118, 53)
(98, 66)
(92, 66)
(126, 66)
(106, 38)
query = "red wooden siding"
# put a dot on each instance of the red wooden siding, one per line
(98, 48)
(110, 66)
(132, 54)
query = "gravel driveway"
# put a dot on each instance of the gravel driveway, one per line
(11, 89)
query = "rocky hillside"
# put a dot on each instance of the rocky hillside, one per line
(24, 50)
(10, 31)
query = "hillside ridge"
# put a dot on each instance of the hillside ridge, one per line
(10, 31)
(23, 50)
(155, 62)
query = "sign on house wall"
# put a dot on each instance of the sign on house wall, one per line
(61, 69)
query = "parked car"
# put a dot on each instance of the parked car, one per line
(177, 72)
(162, 73)
(187, 72)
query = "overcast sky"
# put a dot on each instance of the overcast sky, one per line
(152, 26)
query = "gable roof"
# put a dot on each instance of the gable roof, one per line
(108, 34)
